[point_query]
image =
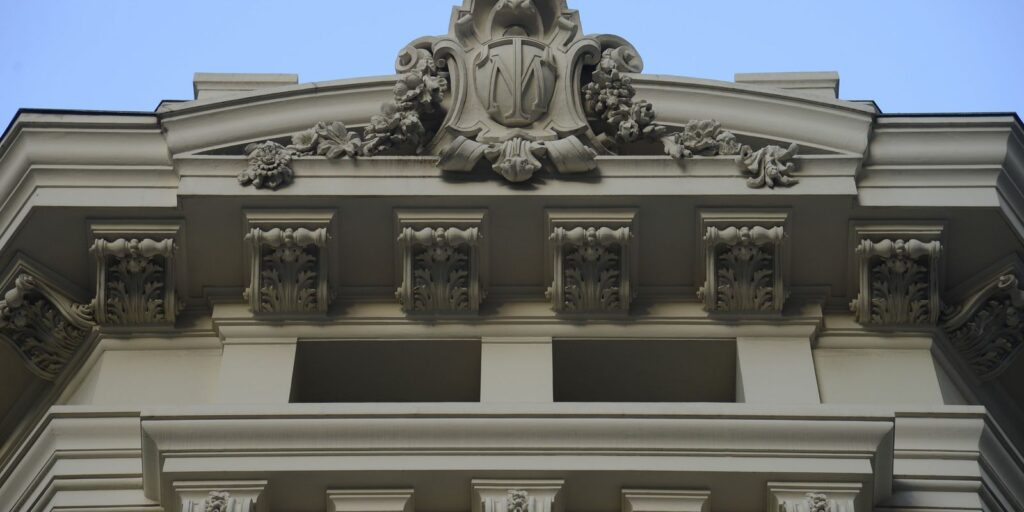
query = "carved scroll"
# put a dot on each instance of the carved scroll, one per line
(288, 271)
(44, 326)
(591, 270)
(898, 282)
(743, 270)
(135, 281)
(988, 328)
(440, 270)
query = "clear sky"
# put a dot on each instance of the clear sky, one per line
(908, 55)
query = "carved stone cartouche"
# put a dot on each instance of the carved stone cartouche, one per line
(897, 282)
(135, 282)
(988, 328)
(591, 270)
(44, 327)
(743, 270)
(288, 271)
(440, 270)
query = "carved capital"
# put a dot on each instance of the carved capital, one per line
(135, 282)
(898, 282)
(288, 262)
(517, 495)
(226, 496)
(593, 262)
(45, 327)
(812, 497)
(987, 329)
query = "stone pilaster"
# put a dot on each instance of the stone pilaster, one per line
(221, 496)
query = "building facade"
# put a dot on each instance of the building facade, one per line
(518, 276)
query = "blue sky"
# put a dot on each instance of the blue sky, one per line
(908, 55)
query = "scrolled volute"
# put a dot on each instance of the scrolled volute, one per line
(45, 327)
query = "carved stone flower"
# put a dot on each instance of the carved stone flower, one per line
(268, 166)
(305, 142)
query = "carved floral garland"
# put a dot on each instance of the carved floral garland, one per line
(616, 118)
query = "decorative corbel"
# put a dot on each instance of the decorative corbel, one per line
(135, 281)
(593, 261)
(221, 496)
(744, 260)
(661, 500)
(517, 495)
(441, 257)
(288, 262)
(988, 328)
(44, 326)
(898, 282)
(744, 270)
(811, 497)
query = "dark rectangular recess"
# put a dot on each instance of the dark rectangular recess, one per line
(644, 371)
(386, 371)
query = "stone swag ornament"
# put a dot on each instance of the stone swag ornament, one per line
(514, 83)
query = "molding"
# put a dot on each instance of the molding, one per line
(517, 495)
(814, 497)
(898, 273)
(289, 261)
(745, 259)
(441, 257)
(594, 260)
(650, 500)
(221, 496)
(370, 500)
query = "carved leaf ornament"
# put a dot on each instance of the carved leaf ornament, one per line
(515, 86)
(988, 328)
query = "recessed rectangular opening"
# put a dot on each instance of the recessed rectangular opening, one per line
(644, 371)
(386, 371)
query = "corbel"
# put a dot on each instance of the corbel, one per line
(376, 500)
(442, 261)
(745, 260)
(517, 495)
(138, 269)
(288, 258)
(593, 260)
(41, 320)
(986, 327)
(813, 497)
(222, 496)
(662, 500)
(898, 270)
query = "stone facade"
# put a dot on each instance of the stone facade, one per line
(537, 280)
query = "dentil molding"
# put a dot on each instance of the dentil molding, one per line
(288, 261)
(593, 260)
(745, 256)
(441, 254)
